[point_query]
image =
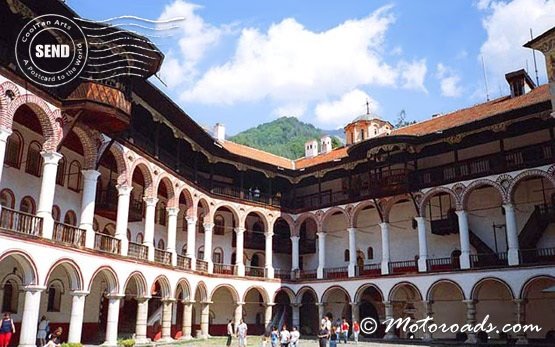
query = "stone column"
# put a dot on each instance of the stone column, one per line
(172, 232)
(88, 200)
(520, 318)
(76, 318)
(239, 265)
(30, 317)
(389, 335)
(47, 189)
(124, 196)
(268, 315)
(238, 313)
(464, 236)
(352, 252)
(470, 319)
(294, 256)
(150, 215)
(268, 254)
(354, 312)
(321, 254)
(512, 234)
(429, 313)
(191, 233)
(386, 258)
(422, 244)
(167, 310)
(4, 134)
(142, 318)
(296, 316)
(208, 230)
(321, 309)
(187, 327)
(204, 317)
(112, 320)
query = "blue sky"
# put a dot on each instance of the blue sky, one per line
(243, 62)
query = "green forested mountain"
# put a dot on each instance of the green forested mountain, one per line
(284, 136)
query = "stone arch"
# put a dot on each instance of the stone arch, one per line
(4, 99)
(229, 288)
(140, 281)
(288, 291)
(109, 275)
(202, 291)
(203, 203)
(121, 164)
(185, 288)
(147, 173)
(165, 288)
(71, 269)
(50, 125)
(389, 203)
(477, 285)
(531, 280)
(88, 142)
(302, 291)
(481, 183)
(358, 208)
(335, 210)
(434, 285)
(364, 287)
(30, 276)
(236, 216)
(287, 218)
(184, 190)
(433, 192)
(400, 285)
(301, 219)
(260, 215)
(167, 181)
(260, 290)
(328, 290)
(524, 175)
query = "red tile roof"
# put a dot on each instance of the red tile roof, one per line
(257, 154)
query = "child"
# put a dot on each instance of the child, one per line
(356, 331)
(274, 337)
(295, 336)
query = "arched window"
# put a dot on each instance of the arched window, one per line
(139, 238)
(74, 176)
(11, 296)
(33, 165)
(218, 256)
(370, 253)
(346, 255)
(70, 218)
(61, 173)
(7, 198)
(27, 205)
(56, 213)
(14, 150)
(219, 225)
(55, 296)
(161, 244)
(200, 252)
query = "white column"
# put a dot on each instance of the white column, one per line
(268, 254)
(354, 311)
(88, 200)
(4, 134)
(429, 313)
(172, 232)
(167, 310)
(240, 231)
(296, 315)
(76, 319)
(268, 315)
(30, 317)
(142, 317)
(122, 218)
(422, 244)
(238, 314)
(112, 320)
(512, 234)
(321, 254)
(384, 227)
(187, 320)
(520, 318)
(352, 252)
(321, 309)
(191, 233)
(470, 319)
(47, 189)
(204, 318)
(464, 236)
(390, 335)
(208, 231)
(150, 215)
(294, 256)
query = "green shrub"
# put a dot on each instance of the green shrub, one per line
(126, 343)
(72, 344)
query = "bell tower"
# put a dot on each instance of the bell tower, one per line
(545, 43)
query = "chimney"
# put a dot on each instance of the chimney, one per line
(325, 144)
(520, 82)
(545, 43)
(311, 148)
(219, 132)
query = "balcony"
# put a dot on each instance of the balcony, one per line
(254, 271)
(403, 267)
(183, 262)
(282, 274)
(107, 243)
(307, 275)
(20, 222)
(224, 269)
(69, 235)
(163, 257)
(202, 265)
(369, 270)
(336, 272)
(443, 264)
(107, 204)
(137, 251)
(245, 194)
(489, 260)
(538, 256)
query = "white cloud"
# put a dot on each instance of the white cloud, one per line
(339, 112)
(449, 81)
(413, 75)
(507, 26)
(295, 109)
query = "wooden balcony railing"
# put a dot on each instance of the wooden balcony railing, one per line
(369, 270)
(137, 251)
(282, 274)
(443, 264)
(307, 274)
(20, 222)
(183, 262)
(202, 265)
(107, 243)
(224, 269)
(336, 272)
(403, 267)
(69, 234)
(254, 271)
(489, 260)
(537, 256)
(163, 257)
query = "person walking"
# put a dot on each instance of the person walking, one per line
(344, 330)
(242, 333)
(284, 336)
(43, 331)
(356, 331)
(334, 337)
(323, 335)
(7, 329)
(295, 336)
(274, 337)
(229, 332)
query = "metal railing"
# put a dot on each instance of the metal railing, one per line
(183, 262)
(107, 243)
(404, 266)
(369, 270)
(20, 222)
(488, 260)
(69, 234)
(307, 274)
(137, 251)
(282, 274)
(163, 257)
(442, 264)
(537, 256)
(254, 271)
(202, 265)
(224, 269)
(336, 272)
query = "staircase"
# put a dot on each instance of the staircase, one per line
(535, 226)
(485, 256)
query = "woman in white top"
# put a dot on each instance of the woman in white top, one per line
(284, 336)
(295, 336)
(43, 330)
